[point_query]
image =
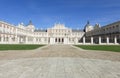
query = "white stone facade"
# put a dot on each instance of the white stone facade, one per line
(108, 34)
(58, 34)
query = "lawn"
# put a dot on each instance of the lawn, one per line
(114, 48)
(18, 46)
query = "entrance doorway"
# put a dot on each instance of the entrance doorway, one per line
(59, 40)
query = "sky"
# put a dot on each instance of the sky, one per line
(73, 13)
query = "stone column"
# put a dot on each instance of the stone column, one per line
(26, 40)
(76, 40)
(99, 40)
(65, 41)
(107, 40)
(5, 39)
(9, 39)
(115, 40)
(83, 40)
(42, 40)
(18, 40)
(21, 39)
(15, 39)
(91, 40)
(53, 40)
(60, 40)
(34, 40)
(2, 28)
(47, 40)
(2, 38)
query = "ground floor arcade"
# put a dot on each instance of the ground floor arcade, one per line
(23, 39)
(102, 39)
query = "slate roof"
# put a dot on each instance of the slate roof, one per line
(75, 30)
(40, 30)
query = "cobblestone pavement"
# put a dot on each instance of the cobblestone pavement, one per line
(59, 61)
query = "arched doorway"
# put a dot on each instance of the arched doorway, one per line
(55, 39)
(62, 40)
(59, 40)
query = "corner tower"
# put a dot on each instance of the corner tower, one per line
(88, 27)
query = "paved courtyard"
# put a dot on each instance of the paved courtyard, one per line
(59, 61)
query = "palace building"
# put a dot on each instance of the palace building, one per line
(59, 34)
(108, 34)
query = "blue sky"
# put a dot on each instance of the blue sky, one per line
(72, 13)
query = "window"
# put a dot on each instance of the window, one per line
(113, 27)
(117, 26)
(110, 28)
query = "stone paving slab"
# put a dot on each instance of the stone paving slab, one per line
(59, 68)
(59, 61)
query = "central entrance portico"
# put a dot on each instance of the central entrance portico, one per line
(59, 40)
